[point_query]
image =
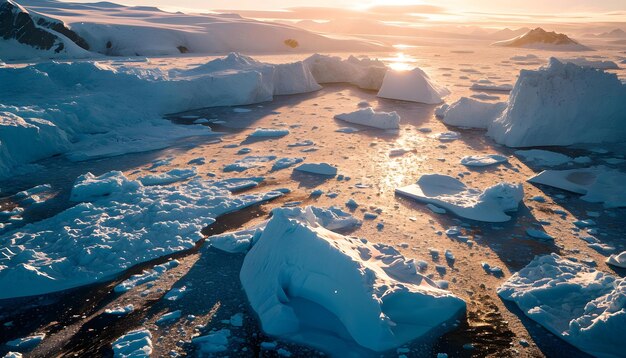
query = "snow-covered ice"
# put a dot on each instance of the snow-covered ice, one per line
(490, 205)
(562, 104)
(468, 112)
(483, 160)
(96, 241)
(213, 342)
(577, 303)
(313, 286)
(369, 117)
(414, 85)
(135, 344)
(26, 342)
(317, 168)
(617, 260)
(268, 133)
(169, 177)
(597, 184)
(543, 157)
(364, 73)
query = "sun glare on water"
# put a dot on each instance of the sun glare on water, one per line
(401, 62)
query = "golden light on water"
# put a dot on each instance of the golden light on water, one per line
(401, 62)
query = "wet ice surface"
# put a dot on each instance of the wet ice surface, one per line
(368, 175)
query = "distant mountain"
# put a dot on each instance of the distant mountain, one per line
(62, 29)
(617, 33)
(30, 30)
(507, 33)
(539, 38)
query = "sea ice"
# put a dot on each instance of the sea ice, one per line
(597, 184)
(317, 168)
(368, 117)
(617, 260)
(451, 194)
(172, 176)
(577, 303)
(470, 113)
(333, 292)
(135, 344)
(414, 86)
(543, 157)
(483, 160)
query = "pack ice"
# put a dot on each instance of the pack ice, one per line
(95, 241)
(341, 294)
(490, 205)
(90, 109)
(579, 304)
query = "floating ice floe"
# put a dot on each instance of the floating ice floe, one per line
(617, 260)
(317, 168)
(89, 187)
(490, 86)
(172, 176)
(319, 288)
(577, 303)
(539, 234)
(134, 344)
(597, 184)
(543, 157)
(26, 342)
(368, 117)
(284, 163)
(248, 163)
(470, 113)
(145, 277)
(451, 194)
(483, 160)
(119, 310)
(364, 73)
(96, 241)
(268, 133)
(448, 136)
(213, 342)
(414, 85)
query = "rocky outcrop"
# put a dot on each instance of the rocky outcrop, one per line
(32, 29)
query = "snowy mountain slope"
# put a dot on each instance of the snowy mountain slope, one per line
(27, 32)
(541, 39)
(118, 30)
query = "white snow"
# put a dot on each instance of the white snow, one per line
(89, 187)
(312, 286)
(599, 64)
(333, 219)
(169, 177)
(414, 85)
(483, 160)
(468, 112)
(617, 260)
(213, 342)
(89, 109)
(96, 241)
(369, 117)
(119, 310)
(543, 157)
(169, 317)
(451, 194)
(135, 344)
(364, 72)
(317, 168)
(562, 104)
(268, 133)
(26, 342)
(148, 31)
(577, 303)
(597, 184)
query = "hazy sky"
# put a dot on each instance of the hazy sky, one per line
(504, 6)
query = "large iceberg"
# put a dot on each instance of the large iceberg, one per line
(90, 109)
(562, 104)
(559, 104)
(577, 303)
(313, 286)
(95, 241)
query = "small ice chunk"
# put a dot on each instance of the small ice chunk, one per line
(137, 343)
(368, 117)
(317, 168)
(483, 160)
